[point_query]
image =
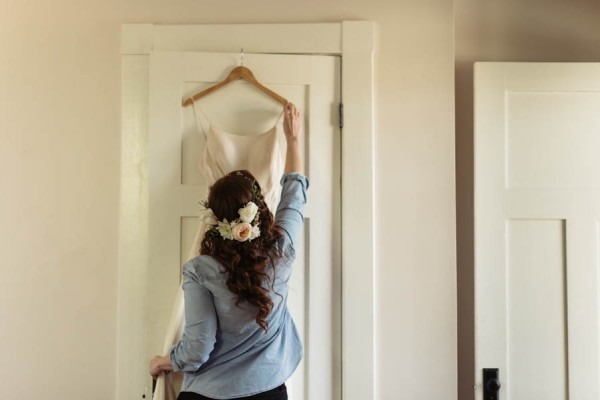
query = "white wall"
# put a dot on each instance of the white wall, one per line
(59, 174)
(504, 30)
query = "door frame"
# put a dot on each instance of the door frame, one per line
(353, 41)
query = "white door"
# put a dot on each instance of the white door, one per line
(176, 187)
(537, 229)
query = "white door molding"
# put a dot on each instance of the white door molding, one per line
(353, 41)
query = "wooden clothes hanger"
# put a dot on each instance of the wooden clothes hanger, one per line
(240, 72)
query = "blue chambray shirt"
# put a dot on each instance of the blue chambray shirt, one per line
(224, 353)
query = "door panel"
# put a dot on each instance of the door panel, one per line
(547, 150)
(537, 207)
(176, 187)
(536, 313)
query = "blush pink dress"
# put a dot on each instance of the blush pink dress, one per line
(223, 152)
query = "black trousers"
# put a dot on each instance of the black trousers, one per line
(279, 393)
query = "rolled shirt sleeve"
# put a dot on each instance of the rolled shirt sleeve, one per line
(199, 335)
(290, 211)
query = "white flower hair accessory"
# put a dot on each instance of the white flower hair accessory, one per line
(244, 228)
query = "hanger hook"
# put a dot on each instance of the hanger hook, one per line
(242, 57)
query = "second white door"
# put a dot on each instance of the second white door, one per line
(537, 229)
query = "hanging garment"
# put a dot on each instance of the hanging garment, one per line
(223, 152)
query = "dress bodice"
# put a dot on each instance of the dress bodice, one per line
(259, 153)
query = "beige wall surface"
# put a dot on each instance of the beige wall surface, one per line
(501, 30)
(59, 174)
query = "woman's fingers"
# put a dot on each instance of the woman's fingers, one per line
(154, 367)
(290, 108)
(291, 123)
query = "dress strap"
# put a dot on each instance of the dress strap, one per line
(197, 112)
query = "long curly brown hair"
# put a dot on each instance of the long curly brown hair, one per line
(246, 262)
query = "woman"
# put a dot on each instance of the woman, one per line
(239, 339)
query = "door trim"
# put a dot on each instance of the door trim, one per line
(353, 41)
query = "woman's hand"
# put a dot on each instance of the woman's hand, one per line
(291, 122)
(291, 128)
(160, 364)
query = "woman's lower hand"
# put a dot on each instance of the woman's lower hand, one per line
(159, 365)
